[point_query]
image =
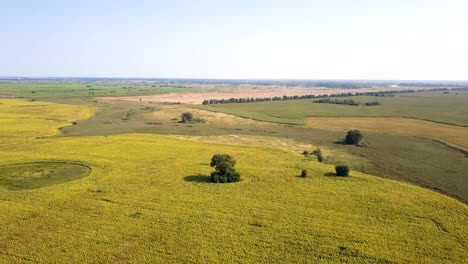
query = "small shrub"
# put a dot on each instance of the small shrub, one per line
(186, 117)
(353, 137)
(305, 153)
(342, 170)
(320, 157)
(304, 173)
(318, 153)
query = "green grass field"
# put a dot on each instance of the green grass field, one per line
(147, 199)
(434, 106)
(455, 135)
(31, 175)
(73, 89)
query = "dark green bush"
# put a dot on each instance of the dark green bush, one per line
(353, 137)
(342, 170)
(186, 117)
(304, 173)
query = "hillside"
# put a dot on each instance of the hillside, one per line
(147, 199)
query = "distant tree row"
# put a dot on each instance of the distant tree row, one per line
(345, 102)
(312, 96)
(336, 101)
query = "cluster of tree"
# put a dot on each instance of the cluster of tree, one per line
(336, 101)
(186, 117)
(373, 103)
(224, 169)
(312, 96)
(353, 137)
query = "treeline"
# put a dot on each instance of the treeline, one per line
(336, 101)
(311, 96)
(346, 102)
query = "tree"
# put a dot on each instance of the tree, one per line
(304, 173)
(353, 137)
(224, 169)
(342, 170)
(186, 117)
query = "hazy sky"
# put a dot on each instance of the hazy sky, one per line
(333, 39)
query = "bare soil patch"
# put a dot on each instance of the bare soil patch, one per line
(197, 98)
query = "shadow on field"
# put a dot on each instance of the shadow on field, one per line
(197, 178)
(339, 142)
(331, 174)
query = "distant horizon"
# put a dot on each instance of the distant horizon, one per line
(234, 79)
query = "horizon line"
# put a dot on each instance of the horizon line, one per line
(236, 79)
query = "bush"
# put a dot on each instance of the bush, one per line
(353, 137)
(224, 169)
(318, 153)
(342, 170)
(374, 103)
(305, 153)
(304, 173)
(186, 117)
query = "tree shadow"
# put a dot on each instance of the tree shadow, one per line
(331, 174)
(339, 142)
(197, 178)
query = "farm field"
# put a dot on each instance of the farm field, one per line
(233, 132)
(147, 199)
(249, 92)
(434, 106)
(85, 89)
(412, 159)
(400, 126)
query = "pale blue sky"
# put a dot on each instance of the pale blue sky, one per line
(355, 39)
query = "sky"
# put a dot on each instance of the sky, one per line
(288, 39)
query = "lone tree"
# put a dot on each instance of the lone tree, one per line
(353, 137)
(186, 117)
(304, 173)
(224, 169)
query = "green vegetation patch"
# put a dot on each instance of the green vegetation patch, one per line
(34, 175)
(433, 106)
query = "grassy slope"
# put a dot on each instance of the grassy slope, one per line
(417, 160)
(435, 106)
(146, 200)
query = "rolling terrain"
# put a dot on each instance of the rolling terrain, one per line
(147, 198)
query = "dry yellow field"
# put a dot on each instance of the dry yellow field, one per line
(456, 135)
